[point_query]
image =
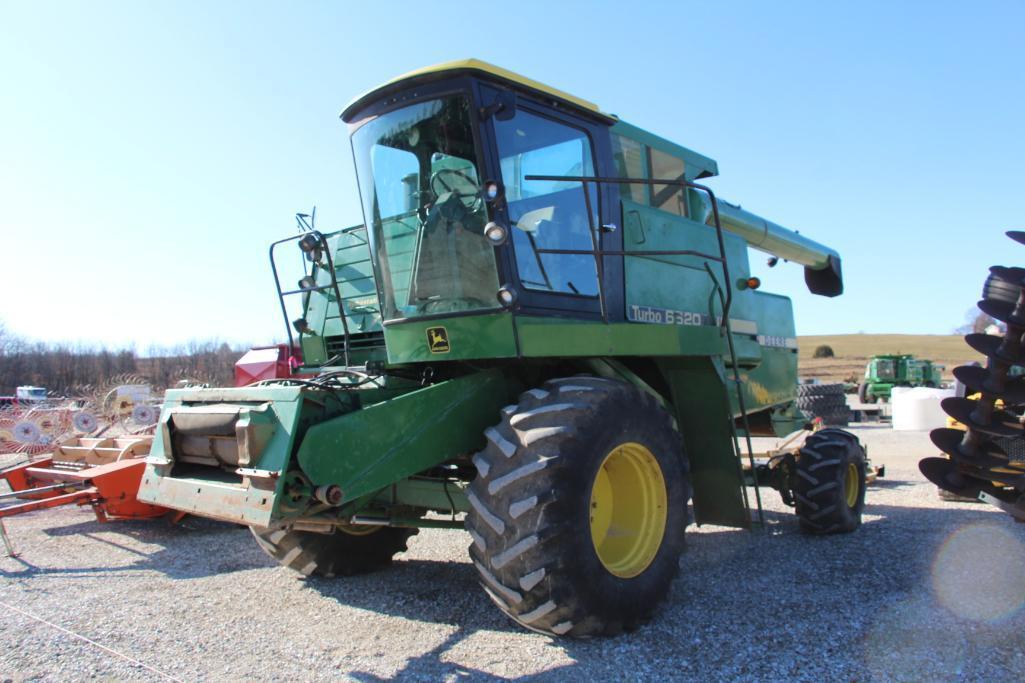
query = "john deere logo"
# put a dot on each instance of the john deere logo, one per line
(437, 340)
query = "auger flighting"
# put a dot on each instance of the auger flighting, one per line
(979, 466)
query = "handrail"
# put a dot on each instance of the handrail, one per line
(743, 417)
(727, 301)
(597, 251)
(334, 285)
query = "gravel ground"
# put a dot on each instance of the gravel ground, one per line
(925, 590)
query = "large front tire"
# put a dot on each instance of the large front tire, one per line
(579, 507)
(348, 551)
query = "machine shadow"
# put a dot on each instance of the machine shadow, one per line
(198, 547)
(861, 584)
(436, 591)
(890, 483)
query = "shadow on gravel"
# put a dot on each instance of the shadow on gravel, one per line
(420, 590)
(423, 591)
(193, 548)
(891, 484)
(800, 599)
(432, 665)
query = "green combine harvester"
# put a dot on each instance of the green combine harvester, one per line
(547, 333)
(884, 372)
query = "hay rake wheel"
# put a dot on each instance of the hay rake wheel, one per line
(8, 418)
(112, 408)
(84, 421)
(142, 419)
(34, 429)
(979, 463)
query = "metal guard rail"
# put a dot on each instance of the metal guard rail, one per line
(727, 301)
(325, 249)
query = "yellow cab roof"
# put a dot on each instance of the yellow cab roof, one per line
(479, 66)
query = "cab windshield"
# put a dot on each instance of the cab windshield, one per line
(420, 181)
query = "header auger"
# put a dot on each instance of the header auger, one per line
(547, 331)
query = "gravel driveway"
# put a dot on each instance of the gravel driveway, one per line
(925, 590)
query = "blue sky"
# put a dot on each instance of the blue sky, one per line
(149, 152)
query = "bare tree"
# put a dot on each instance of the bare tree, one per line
(977, 321)
(63, 368)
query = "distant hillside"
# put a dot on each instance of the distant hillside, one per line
(853, 351)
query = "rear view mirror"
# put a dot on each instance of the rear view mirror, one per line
(502, 108)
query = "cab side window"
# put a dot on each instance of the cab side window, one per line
(669, 198)
(631, 161)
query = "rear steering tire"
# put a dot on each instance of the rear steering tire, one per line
(863, 392)
(579, 507)
(348, 551)
(830, 487)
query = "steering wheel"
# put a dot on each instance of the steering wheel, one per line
(471, 200)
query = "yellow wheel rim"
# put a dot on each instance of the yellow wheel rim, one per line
(628, 510)
(852, 484)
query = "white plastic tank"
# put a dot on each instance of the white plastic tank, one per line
(918, 408)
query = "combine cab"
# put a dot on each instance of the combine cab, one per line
(547, 332)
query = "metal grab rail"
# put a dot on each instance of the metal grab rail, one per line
(727, 300)
(743, 415)
(332, 286)
(598, 252)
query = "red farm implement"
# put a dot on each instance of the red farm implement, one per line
(102, 473)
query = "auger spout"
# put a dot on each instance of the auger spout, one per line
(822, 270)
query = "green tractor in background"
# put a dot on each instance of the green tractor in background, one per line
(884, 372)
(547, 333)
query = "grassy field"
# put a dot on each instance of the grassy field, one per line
(853, 351)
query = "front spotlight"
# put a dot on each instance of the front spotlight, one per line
(311, 245)
(507, 296)
(492, 191)
(496, 234)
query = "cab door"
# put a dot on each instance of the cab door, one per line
(553, 214)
